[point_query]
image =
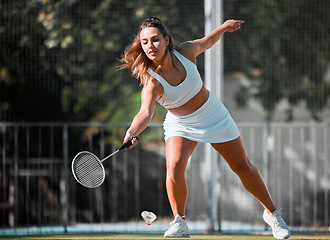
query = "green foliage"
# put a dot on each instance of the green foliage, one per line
(58, 58)
(283, 47)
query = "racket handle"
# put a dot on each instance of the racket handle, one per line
(128, 144)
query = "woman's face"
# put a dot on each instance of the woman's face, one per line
(153, 43)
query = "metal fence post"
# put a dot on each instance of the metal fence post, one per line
(14, 216)
(64, 182)
(213, 81)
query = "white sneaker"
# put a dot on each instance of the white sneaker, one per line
(279, 227)
(178, 228)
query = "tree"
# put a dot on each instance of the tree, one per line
(58, 58)
(284, 49)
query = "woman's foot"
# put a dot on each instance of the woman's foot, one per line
(279, 227)
(178, 228)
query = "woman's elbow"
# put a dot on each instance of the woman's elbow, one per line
(147, 115)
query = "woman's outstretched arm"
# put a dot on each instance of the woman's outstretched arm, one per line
(192, 49)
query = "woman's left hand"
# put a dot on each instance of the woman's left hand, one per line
(232, 25)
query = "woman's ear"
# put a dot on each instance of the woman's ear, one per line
(167, 40)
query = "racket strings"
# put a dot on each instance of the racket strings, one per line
(89, 170)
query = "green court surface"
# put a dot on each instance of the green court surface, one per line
(140, 237)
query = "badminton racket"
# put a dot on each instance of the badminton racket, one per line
(88, 169)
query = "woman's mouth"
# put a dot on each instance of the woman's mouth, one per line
(152, 53)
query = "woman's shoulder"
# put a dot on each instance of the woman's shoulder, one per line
(153, 88)
(154, 85)
(186, 49)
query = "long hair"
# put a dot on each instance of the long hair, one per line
(134, 56)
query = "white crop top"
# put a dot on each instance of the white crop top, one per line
(176, 96)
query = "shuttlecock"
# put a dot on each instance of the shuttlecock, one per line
(149, 217)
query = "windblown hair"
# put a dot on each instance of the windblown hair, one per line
(134, 56)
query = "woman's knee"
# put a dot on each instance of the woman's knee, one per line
(243, 166)
(175, 169)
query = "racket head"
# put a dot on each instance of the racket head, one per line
(88, 170)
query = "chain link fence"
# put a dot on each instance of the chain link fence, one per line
(37, 186)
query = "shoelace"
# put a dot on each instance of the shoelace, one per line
(172, 223)
(278, 218)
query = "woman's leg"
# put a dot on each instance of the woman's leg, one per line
(178, 151)
(235, 155)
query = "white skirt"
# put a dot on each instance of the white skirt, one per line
(211, 123)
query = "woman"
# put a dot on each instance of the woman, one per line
(170, 77)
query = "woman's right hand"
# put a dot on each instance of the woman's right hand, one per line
(130, 137)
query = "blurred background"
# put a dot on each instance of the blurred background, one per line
(60, 93)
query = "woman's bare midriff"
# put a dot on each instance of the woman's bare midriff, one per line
(193, 104)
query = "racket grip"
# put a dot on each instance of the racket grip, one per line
(128, 144)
